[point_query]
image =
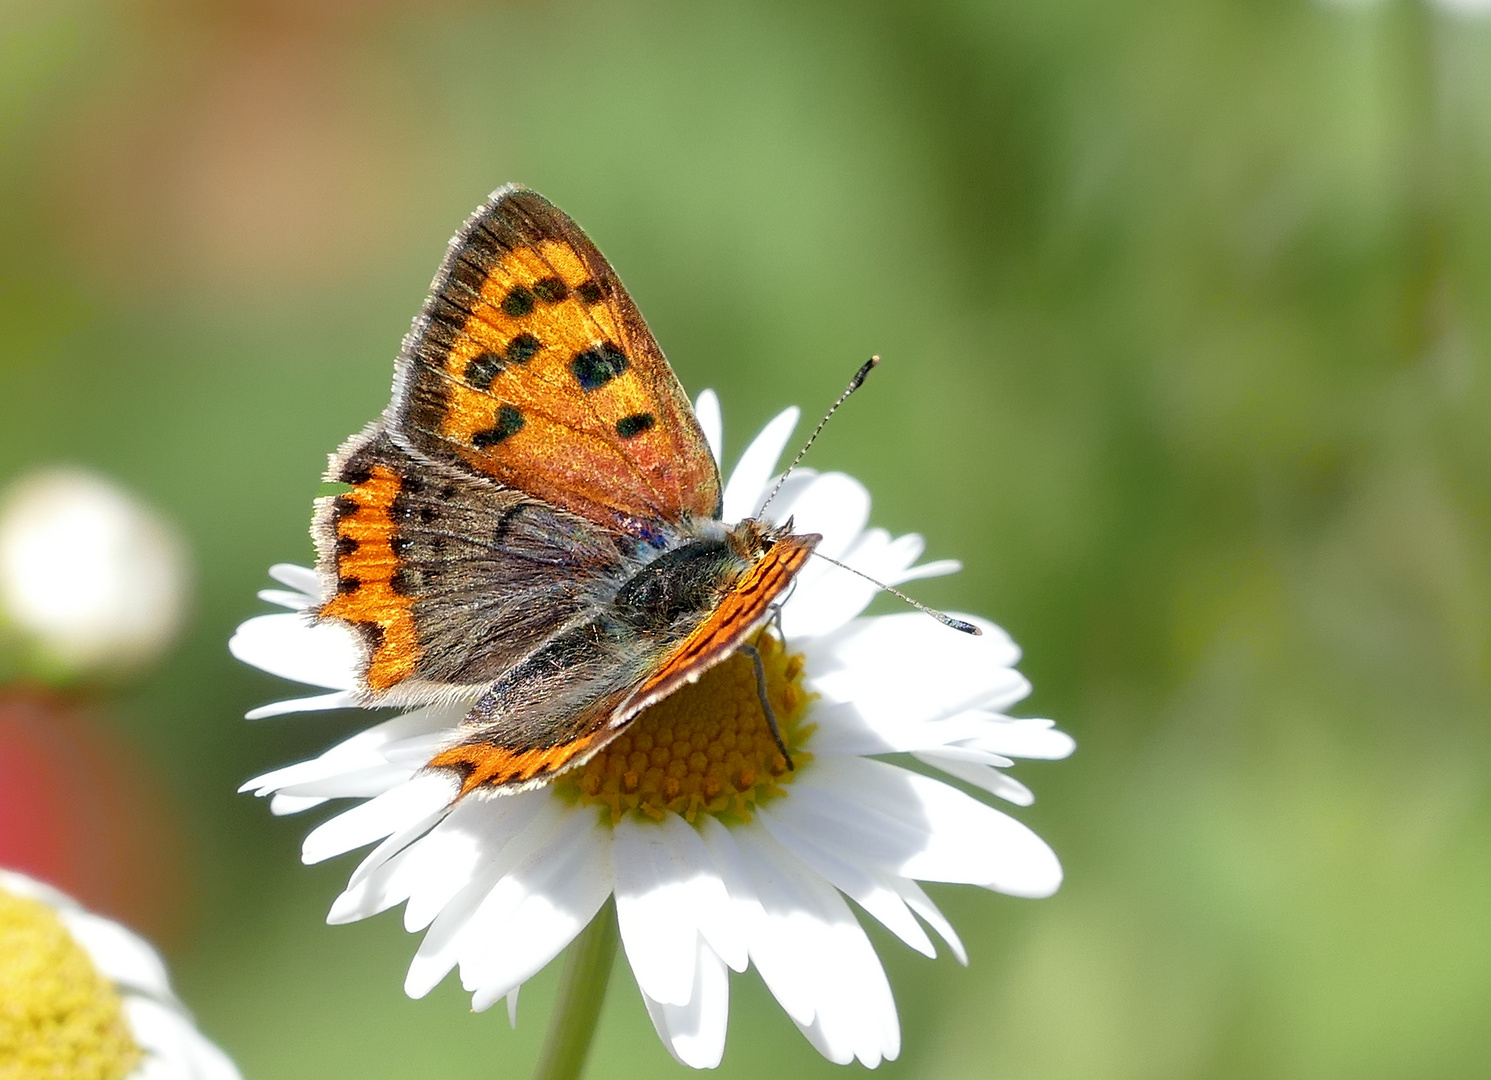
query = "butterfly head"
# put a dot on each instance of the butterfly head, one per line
(754, 537)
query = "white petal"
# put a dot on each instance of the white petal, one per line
(792, 487)
(980, 775)
(834, 505)
(830, 596)
(747, 485)
(695, 1033)
(415, 800)
(456, 851)
(707, 412)
(871, 552)
(537, 909)
(294, 647)
(921, 903)
(899, 670)
(920, 828)
(854, 1015)
(342, 699)
(367, 749)
(18, 884)
(665, 878)
(285, 598)
(175, 1049)
(512, 1007)
(747, 913)
(444, 941)
(300, 578)
(283, 805)
(868, 887)
(952, 750)
(1025, 737)
(969, 735)
(353, 784)
(120, 954)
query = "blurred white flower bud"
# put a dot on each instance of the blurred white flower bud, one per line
(92, 581)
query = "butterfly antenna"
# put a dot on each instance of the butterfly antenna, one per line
(854, 384)
(942, 617)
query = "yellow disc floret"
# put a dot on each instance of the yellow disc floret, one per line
(59, 1018)
(706, 748)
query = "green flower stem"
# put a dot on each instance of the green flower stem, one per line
(582, 989)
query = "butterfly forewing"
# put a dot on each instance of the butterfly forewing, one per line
(531, 365)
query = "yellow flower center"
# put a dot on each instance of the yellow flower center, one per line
(706, 747)
(58, 1016)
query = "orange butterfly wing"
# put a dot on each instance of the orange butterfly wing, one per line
(531, 365)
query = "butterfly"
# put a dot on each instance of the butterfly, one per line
(533, 524)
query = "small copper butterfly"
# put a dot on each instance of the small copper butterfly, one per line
(534, 521)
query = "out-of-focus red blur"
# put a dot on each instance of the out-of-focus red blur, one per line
(82, 810)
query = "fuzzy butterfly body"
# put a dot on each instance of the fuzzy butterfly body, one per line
(534, 520)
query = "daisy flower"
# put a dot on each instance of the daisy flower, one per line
(81, 996)
(718, 855)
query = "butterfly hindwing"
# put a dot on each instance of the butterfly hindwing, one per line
(567, 701)
(449, 577)
(531, 365)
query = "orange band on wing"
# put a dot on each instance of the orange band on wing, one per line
(482, 764)
(367, 576)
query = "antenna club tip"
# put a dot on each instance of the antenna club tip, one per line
(859, 376)
(965, 627)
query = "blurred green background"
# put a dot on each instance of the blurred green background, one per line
(1185, 311)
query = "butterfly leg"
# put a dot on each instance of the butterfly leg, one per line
(771, 716)
(776, 618)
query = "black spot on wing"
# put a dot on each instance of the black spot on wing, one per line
(483, 369)
(506, 523)
(521, 348)
(372, 633)
(598, 365)
(629, 427)
(509, 422)
(517, 303)
(550, 290)
(590, 292)
(405, 581)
